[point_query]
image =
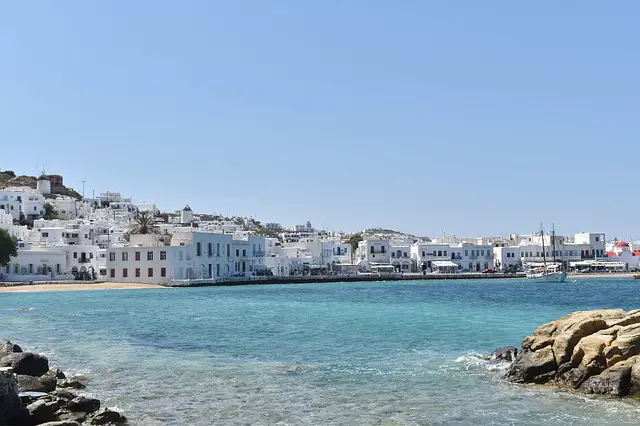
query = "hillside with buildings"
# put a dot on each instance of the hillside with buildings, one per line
(111, 237)
(9, 179)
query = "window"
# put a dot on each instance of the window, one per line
(439, 252)
(137, 272)
(57, 268)
(198, 249)
(112, 273)
(163, 255)
(163, 272)
(423, 253)
(597, 239)
(125, 273)
(75, 255)
(45, 234)
(237, 253)
(444, 253)
(405, 254)
(228, 250)
(210, 249)
(393, 254)
(217, 249)
(244, 253)
(150, 272)
(149, 255)
(112, 257)
(373, 249)
(125, 256)
(137, 256)
(482, 251)
(90, 255)
(382, 249)
(31, 268)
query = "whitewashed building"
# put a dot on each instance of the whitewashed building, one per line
(38, 263)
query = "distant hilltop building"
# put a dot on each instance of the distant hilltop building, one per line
(303, 228)
(55, 180)
(43, 185)
(186, 215)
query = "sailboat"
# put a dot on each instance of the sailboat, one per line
(547, 273)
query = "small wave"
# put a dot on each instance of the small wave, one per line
(474, 360)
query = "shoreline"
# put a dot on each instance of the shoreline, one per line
(603, 275)
(28, 288)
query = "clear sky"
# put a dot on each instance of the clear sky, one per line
(470, 117)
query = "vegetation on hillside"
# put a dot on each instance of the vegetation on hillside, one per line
(354, 240)
(7, 247)
(50, 213)
(144, 223)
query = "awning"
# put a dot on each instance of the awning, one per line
(443, 263)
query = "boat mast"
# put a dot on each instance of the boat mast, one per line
(553, 242)
(544, 257)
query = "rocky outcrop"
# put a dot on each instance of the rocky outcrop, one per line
(7, 348)
(31, 394)
(10, 404)
(596, 352)
(26, 363)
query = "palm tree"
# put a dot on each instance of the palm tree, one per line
(144, 224)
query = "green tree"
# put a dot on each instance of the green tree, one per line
(144, 224)
(7, 247)
(49, 212)
(353, 241)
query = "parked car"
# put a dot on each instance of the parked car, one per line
(489, 271)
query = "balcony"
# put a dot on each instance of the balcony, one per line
(258, 254)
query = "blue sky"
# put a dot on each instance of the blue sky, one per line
(425, 116)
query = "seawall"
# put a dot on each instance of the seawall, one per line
(315, 279)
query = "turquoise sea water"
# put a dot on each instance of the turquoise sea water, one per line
(370, 353)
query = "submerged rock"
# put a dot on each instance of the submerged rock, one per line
(108, 417)
(83, 404)
(508, 353)
(73, 384)
(596, 352)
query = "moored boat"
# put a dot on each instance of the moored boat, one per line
(551, 273)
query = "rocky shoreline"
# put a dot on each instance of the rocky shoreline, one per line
(33, 394)
(593, 352)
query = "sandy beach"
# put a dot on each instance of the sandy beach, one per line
(76, 287)
(604, 275)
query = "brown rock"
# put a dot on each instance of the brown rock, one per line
(626, 344)
(566, 341)
(589, 348)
